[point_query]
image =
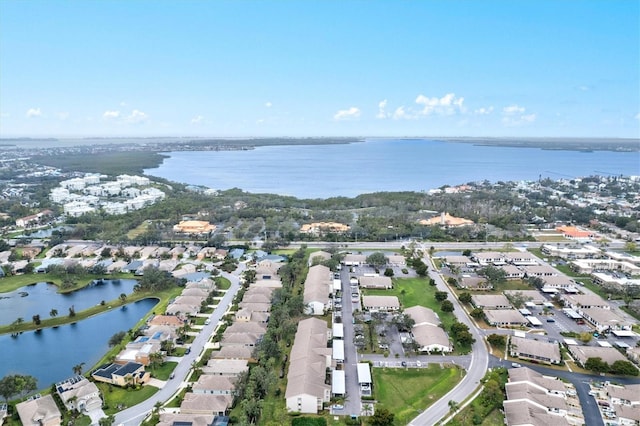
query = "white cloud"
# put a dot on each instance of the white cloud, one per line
(137, 117)
(483, 111)
(381, 110)
(401, 114)
(347, 114)
(449, 104)
(197, 119)
(513, 109)
(260, 121)
(514, 115)
(34, 112)
(268, 104)
(110, 115)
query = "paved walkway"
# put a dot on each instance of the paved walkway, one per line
(96, 415)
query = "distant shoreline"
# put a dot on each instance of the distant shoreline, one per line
(164, 144)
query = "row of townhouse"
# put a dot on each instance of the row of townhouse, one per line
(212, 395)
(588, 266)
(537, 400)
(310, 358)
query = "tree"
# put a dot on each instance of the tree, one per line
(36, 319)
(624, 367)
(441, 295)
(477, 313)
(497, 340)
(382, 417)
(53, 313)
(446, 306)
(106, 252)
(596, 364)
(77, 369)
(493, 275)
(72, 311)
(123, 297)
(452, 282)
(518, 299)
(585, 337)
(155, 359)
(465, 297)
(465, 338)
(117, 338)
(377, 259)
(421, 268)
(492, 394)
(453, 406)
(8, 387)
(388, 272)
(466, 252)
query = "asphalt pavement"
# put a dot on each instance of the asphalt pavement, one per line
(133, 416)
(475, 372)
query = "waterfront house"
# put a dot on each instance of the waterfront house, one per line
(78, 393)
(131, 373)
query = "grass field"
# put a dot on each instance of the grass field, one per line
(414, 292)
(114, 395)
(406, 393)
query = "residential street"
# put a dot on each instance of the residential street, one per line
(475, 372)
(133, 416)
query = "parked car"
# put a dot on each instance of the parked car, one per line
(550, 320)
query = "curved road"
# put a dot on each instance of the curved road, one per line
(133, 416)
(475, 372)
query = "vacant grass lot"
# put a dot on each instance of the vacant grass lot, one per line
(114, 395)
(414, 292)
(408, 392)
(222, 283)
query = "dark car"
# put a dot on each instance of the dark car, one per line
(550, 320)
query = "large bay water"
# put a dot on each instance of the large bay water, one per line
(322, 171)
(50, 354)
(41, 298)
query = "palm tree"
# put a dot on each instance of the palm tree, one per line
(77, 369)
(123, 297)
(53, 313)
(155, 359)
(453, 406)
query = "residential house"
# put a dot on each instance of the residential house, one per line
(504, 317)
(380, 303)
(583, 353)
(201, 403)
(540, 271)
(41, 411)
(578, 302)
(307, 390)
(521, 258)
(376, 282)
(225, 367)
(426, 331)
(354, 259)
(490, 301)
(538, 351)
(318, 228)
(533, 296)
(317, 287)
(215, 385)
(485, 258)
(181, 419)
(78, 393)
(512, 272)
(605, 319)
(121, 375)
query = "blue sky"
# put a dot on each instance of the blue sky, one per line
(320, 68)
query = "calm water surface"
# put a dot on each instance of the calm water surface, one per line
(322, 171)
(49, 355)
(41, 298)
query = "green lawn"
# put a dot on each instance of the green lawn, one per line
(114, 396)
(222, 283)
(164, 371)
(414, 292)
(407, 392)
